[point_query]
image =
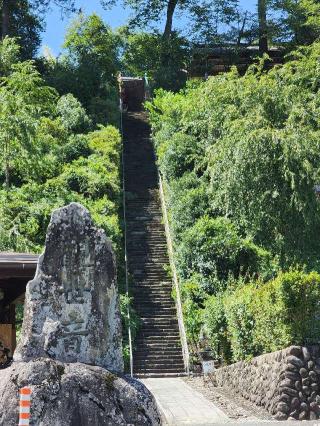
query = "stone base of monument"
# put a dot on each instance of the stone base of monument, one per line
(75, 394)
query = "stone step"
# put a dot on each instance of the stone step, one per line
(159, 321)
(156, 332)
(145, 369)
(161, 314)
(156, 338)
(158, 375)
(155, 365)
(157, 346)
(157, 356)
(152, 293)
(164, 310)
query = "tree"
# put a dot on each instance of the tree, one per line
(10, 7)
(143, 54)
(145, 12)
(263, 27)
(211, 20)
(88, 67)
(300, 21)
(23, 100)
(73, 116)
(24, 24)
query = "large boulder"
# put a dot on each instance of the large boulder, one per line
(73, 395)
(71, 310)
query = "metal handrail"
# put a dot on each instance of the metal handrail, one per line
(125, 241)
(183, 335)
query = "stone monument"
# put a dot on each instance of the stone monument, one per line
(70, 353)
(72, 311)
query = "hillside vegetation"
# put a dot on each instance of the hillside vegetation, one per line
(240, 160)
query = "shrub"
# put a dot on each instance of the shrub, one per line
(73, 116)
(264, 317)
(76, 147)
(187, 202)
(213, 249)
(178, 155)
(215, 327)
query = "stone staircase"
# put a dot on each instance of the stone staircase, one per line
(158, 349)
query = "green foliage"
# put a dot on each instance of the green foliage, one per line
(88, 68)
(187, 202)
(215, 327)
(92, 179)
(163, 61)
(9, 54)
(133, 323)
(73, 115)
(240, 160)
(178, 155)
(76, 146)
(213, 249)
(258, 144)
(23, 100)
(193, 298)
(25, 25)
(265, 317)
(47, 163)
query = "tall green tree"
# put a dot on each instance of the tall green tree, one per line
(88, 67)
(9, 8)
(146, 12)
(211, 20)
(23, 100)
(300, 20)
(19, 20)
(263, 26)
(143, 54)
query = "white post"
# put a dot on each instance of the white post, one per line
(25, 405)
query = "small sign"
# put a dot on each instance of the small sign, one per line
(208, 367)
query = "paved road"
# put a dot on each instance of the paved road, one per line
(182, 405)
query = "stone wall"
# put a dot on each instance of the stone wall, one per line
(286, 383)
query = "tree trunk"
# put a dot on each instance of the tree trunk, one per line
(241, 31)
(5, 18)
(172, 4)
(263, 29)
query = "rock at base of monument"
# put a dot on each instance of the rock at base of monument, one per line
(75, 394)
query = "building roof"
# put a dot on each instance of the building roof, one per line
(18, 258)
(17, 264)
(16, 269)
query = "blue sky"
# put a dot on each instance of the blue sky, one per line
(56, 24)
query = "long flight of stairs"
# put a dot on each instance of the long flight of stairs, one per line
(158, 349)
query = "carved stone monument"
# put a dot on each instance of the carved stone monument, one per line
(71, 336)
(71, 311)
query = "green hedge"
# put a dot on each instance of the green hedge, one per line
(264, 317)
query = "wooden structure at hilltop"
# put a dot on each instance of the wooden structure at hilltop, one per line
(213, 60)
(15, 272)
